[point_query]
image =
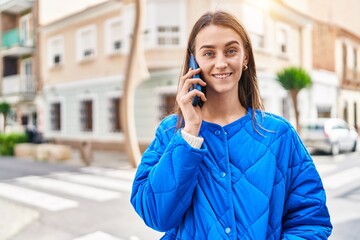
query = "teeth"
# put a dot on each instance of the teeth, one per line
(221, 75)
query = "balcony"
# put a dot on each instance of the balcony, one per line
(15, 6)
(14, 45)
(23, 87)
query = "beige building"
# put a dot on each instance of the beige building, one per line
(84, 59)
(335, 51)
(18, 62)
(336, 42)
(348, 68)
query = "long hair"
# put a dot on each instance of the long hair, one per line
(248, 90)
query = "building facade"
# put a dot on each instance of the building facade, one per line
(84, 57)
(348, 69)
(84, 61)
(19, 61)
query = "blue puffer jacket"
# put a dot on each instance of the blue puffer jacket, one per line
(242, 183)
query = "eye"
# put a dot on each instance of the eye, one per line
(231, 51)
(208, 54)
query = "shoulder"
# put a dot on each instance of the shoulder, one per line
(168, 125)
(272, 123)
(276, 120)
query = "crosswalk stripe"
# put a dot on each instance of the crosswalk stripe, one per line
(74, 189)
(342, 178)
(35, 198)
(325, 168)
(115, 173)
(97, 236)
(93, 180)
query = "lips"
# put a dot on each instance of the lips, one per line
(222, 76)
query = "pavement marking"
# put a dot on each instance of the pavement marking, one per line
(97, 236)
(98, 181)
(74, 189)
(14, 217)
(342, 178)
(325, 168)
(108, 172)
(34, 198)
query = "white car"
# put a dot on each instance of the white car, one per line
(331, 135)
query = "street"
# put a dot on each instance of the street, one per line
(45, 201)
(55, 202)
(341, 179)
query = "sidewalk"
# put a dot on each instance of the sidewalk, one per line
(14, 217)
(110, 159)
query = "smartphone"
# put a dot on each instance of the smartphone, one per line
(196, 101)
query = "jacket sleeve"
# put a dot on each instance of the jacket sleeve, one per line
(165, 180)
(305, 213)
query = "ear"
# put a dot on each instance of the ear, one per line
(246, 58)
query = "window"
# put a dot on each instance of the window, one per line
(254, 20)
(26, 30)
(86, 43)
(344, 61)
(167, 104)
(10, 66)
(282, 38)
(168, 35)
(168, 21)
(323, 111)
(355, 63)
(55, 116)
(27, 75)
(86, 115)
(345, 111)
(114, 114)
(24, 120)
(283, 41)
(55, 51)
(114, 36)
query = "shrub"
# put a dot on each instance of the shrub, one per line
(8, 142)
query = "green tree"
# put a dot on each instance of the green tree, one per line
(4, 110)
(293, 79)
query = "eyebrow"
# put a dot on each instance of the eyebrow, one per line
(226, 45)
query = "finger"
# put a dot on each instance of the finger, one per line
(188, 75)
(192, 81)
(187, 98)
(192, 72)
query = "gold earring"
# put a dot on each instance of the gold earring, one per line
(245, 67)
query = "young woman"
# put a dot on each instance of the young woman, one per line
(227, 170)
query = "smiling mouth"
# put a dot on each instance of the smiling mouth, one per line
(222, 76)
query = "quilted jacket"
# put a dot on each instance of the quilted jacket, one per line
(242, 184)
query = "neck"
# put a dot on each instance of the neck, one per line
(223, 110)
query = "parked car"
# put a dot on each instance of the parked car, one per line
(331, 135)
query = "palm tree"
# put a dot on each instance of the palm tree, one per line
(293, 79)
(4, 110)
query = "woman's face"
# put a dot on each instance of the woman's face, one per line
(221, 56)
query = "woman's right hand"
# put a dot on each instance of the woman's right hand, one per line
(192, 115)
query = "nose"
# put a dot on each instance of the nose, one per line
(221, 62)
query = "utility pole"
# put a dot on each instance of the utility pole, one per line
(132, 78)
(37, 55)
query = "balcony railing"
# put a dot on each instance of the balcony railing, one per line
(19, 85)
(12, 38)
